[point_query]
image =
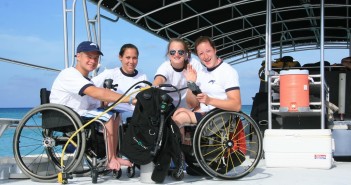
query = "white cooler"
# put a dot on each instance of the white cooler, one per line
(308, 148)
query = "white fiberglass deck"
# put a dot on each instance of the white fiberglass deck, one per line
(339, 174)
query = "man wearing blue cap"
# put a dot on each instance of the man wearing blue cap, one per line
(73, 88)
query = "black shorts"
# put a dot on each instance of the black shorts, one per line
(198, 116)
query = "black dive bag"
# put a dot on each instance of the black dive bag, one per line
(151, 136)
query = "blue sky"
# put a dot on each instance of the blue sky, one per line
(32, 31)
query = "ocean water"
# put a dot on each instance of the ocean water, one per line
(7, 137)
(18, 113)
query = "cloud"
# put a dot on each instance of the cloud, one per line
(32, 49)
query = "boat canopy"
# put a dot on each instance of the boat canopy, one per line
(238, 27)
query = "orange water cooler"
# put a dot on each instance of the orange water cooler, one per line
(294, 91)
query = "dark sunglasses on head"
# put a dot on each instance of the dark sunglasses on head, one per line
(173, 52)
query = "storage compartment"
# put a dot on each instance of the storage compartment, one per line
(341, 133)
(308, 148)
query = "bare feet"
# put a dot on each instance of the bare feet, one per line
(113, 164)
(124, 162)
(116, 163)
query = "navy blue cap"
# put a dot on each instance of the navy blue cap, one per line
(88, 46)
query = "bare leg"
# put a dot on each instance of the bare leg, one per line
(183, 117)
(121, 161)
(114, 163)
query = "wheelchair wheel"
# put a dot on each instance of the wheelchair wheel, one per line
(39, 140)
(117, 174)
(227, 145)
(100, 166)
(131, 171)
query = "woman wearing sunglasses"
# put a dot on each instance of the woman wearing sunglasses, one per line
(173, 70)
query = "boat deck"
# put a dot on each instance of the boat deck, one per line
(339, 174)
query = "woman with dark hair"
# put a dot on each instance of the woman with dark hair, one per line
(125, 76)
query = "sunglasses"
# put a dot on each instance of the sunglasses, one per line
(180, 52)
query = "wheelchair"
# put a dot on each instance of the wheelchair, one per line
(225, 144)
(40, 138)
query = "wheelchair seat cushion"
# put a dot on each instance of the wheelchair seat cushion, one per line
(91, 114)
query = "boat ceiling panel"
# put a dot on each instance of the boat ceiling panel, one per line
(238, 27)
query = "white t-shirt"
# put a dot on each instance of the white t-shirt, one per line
(176, 78)
(68, 89)
(216, 82)
(124, 82)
